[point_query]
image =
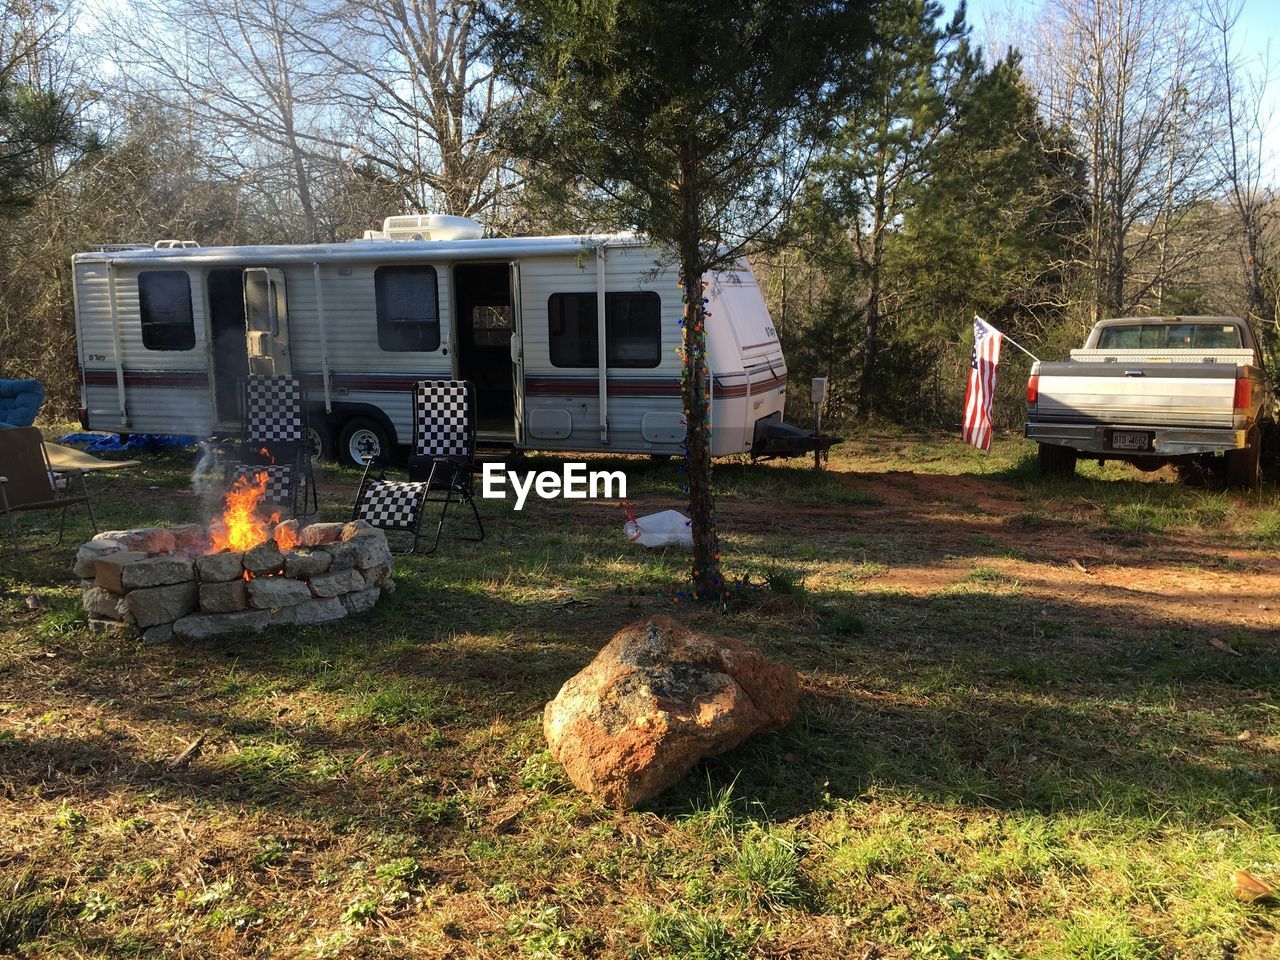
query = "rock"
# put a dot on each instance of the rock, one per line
(344, 555)
(190, 538)
(305, 562)
(106, 626)
(108, 570)
(89, 554)
(288, 530)
(357, 528)
(124, 613)
(377, 576)
(202, 626)
(101, 603)
(318, 534)
(155, 605)
(312, 611)
(161, 634)
(361, 601)
(269, 593)
(372, 551)
(150, 540)
(227, 597)
(656, 700)
(217, 567)
(264, 558)
(157, 572)
(337, 583)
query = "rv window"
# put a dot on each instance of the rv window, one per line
(164, 304)
(633, 329)
(408, 312)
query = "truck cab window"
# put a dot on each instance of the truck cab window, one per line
(633, 330)
(164, 304)
(1170, 336)
(408, 308)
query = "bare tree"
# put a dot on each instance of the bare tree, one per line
(1241, 158)
(1133, 83)
(422, 93)
(236, 72)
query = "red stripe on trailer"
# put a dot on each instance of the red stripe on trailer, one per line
(148, 378)
(590, 386)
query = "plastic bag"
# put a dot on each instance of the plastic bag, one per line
(670, 528)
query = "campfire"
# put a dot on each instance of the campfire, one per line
(244, 571)
(242, 526)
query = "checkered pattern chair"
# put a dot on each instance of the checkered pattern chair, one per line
(441, 465)
(273, 438)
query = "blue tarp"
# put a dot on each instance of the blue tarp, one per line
(110, 442)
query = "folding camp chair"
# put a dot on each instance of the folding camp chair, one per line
(28, 483)
(273, 440)
(442, 463)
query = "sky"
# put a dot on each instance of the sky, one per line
(1257, 40)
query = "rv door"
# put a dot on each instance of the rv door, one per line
(517, 353)
(266, 320)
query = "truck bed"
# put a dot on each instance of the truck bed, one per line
(1151, 391)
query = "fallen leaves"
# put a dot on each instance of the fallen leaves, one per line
(1249, 889)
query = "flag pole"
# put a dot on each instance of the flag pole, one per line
(1010, 339)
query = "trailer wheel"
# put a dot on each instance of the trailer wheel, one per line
(1244, 467)
(320, 440)
(1056, 461)
(361, 440)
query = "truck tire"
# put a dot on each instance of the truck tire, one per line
(1056, 461)
(362, 437)
(1244, 467)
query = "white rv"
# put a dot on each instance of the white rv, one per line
(570, 341)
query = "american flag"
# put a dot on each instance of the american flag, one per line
(982, 384)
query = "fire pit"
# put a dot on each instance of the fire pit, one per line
(244, 573)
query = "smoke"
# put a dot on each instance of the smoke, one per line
(208, 478)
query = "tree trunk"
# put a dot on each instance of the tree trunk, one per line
(707, 581)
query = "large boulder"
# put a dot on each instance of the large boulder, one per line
(656, 700)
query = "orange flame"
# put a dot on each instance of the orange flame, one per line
(241, 527)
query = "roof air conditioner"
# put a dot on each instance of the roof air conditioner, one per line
(433, 226)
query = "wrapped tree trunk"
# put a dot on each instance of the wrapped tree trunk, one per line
(708, 584)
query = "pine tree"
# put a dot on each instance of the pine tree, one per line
(690, 122)
(885, 149)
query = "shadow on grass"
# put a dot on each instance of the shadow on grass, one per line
(982, 696)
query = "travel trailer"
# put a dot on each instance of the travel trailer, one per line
(570, 341)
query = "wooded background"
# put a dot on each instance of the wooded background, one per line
(1114, 164)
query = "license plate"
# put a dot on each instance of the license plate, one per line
(1130, 440)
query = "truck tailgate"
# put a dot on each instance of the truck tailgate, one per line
(1138, 394)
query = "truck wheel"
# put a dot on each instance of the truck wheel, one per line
(1244, 467)
(1056, 461)
(361, 440)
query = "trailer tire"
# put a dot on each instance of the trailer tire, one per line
(362, 438)
(1244, 467)
(1056, 461)
(320, 440)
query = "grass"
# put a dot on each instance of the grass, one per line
(997, 754)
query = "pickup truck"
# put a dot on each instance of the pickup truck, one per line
(1155, 390)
